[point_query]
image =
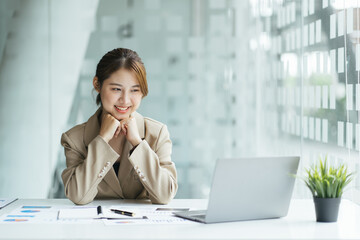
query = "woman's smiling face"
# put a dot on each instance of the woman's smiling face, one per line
(120, 94)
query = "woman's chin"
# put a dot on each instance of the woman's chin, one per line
(120, 116)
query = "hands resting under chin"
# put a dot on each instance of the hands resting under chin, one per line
(111, 128)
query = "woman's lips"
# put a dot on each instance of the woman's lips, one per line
(122, 109)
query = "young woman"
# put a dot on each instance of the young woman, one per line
(118, 153)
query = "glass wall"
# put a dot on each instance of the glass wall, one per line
(311, 49)
(230, 79)
(42, 45)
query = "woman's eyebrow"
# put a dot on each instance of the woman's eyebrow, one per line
(120, 85)
(116, 84)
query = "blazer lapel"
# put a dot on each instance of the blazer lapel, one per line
(125, 165)
(140, 124)
(92, 129)
(113, 181)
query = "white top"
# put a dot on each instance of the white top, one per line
(299, 224)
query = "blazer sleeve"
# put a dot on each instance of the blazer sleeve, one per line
(155, 169)
(84, 171)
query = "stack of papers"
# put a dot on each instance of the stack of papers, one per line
(142, 215)
(87, 214)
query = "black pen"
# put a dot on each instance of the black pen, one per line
(122, 212)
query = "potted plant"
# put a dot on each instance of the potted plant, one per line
(327, 184)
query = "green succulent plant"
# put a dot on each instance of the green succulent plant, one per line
(326, 181)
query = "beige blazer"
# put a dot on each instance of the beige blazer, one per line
(147, 172)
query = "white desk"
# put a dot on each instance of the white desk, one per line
(299, 224)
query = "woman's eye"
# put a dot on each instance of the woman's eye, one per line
(135, 90)
(116, 89)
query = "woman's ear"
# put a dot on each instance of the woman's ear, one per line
(96, 84)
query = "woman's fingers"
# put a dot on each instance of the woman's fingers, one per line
(123, 128)
(118, 130)
(132, 132)
(109, 127)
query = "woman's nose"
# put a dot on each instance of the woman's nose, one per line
(124, 97)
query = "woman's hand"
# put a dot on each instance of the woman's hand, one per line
(110, 127)
(130, 130)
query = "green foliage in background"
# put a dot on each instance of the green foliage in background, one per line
(327, 181)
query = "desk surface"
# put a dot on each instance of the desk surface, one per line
(298, 224)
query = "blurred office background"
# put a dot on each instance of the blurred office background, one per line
(230, 78)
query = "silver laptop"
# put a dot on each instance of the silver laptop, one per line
(248, 189)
